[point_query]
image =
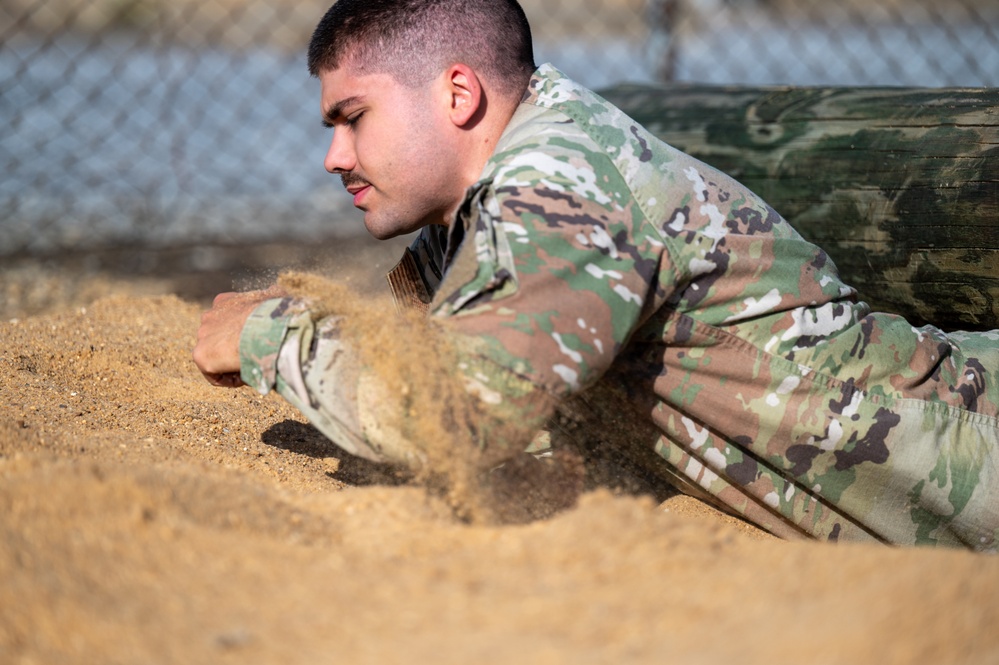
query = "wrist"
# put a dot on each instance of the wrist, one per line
(260, 341)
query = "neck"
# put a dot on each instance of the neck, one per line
(483, 140)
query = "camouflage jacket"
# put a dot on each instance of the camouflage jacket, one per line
(668, 307)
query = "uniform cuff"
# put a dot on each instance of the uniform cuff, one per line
(261, 340)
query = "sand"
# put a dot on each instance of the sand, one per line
(147, 517)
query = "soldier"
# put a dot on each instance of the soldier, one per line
(577, 261)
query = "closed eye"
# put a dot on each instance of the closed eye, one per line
(333, 114)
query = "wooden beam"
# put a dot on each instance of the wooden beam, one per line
(899, 185)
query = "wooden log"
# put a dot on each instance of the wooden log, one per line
(899, 185)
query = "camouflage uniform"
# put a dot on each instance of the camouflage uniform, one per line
(674, 309)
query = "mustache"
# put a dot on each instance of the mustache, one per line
(351, 179)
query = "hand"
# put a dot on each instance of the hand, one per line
(217, 352)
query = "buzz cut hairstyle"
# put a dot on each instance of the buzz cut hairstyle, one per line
(415, 40)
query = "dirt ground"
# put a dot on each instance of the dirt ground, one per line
(146, 517)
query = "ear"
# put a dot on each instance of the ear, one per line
(465, 94)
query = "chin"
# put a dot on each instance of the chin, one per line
(382, 234)
(385, 231)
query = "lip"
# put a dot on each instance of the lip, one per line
(358, 193)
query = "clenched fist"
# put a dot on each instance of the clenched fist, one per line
(217, 351)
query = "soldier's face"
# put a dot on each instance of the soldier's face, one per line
(391, 148)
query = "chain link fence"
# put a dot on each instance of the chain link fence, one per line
(172, 123)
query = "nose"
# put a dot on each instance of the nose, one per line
(340, 157)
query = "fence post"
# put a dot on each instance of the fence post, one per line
(663, 16)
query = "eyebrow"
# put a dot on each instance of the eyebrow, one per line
(335, 112)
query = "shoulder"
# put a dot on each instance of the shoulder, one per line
(565, 137)
(553, 155)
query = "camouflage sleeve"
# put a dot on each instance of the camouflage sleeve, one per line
(311, 365)
(546, 288)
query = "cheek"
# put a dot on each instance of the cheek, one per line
(375, 151)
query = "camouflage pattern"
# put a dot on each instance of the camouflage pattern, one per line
(899, 185)
(310, 364)
(674, 311)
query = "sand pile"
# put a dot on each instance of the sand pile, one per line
(147, 517)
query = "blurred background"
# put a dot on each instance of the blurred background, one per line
(180, 140)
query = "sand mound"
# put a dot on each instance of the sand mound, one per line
(148, 517)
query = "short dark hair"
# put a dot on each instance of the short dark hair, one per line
(414, 40)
